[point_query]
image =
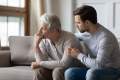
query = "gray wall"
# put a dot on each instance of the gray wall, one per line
(62, 8)
(34, 16)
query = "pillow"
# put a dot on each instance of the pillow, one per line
(21, 50)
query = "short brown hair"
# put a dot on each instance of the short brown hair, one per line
(86, 13)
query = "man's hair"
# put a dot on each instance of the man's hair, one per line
(86, 13)
(52, 21)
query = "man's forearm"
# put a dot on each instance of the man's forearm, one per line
(89, 62)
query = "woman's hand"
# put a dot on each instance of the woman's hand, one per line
(38, 37)
(34, 65)
(73, 52)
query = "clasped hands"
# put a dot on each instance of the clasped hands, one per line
(35, 65)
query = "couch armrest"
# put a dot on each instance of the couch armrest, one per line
(5, 58)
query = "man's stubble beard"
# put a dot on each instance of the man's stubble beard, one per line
(82, 30)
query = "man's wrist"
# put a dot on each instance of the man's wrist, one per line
(80, 56)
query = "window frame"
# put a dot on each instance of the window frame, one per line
(17, 12)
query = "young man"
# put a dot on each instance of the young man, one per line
(103, 59)
(51, 44)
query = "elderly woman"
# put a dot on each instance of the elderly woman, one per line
(50, 47)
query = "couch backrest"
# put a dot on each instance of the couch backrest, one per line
(119, 42)
(21, 50)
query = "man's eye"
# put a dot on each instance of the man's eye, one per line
(78, 22)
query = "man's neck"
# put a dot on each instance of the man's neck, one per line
(93, 28)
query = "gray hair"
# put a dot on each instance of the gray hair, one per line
(52, 21)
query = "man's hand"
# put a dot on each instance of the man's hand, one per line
(35, 65)
(73, 52)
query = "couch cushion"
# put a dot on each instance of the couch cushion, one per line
(21, 50)
(4, 58)
(16, 73)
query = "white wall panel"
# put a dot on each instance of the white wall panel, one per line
(108, 13)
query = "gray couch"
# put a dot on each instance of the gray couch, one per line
(15, 63)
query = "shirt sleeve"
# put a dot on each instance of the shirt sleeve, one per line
(66, 60)
(103, 54)
(42, 55)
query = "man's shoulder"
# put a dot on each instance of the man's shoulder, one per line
(106, 34)
(107, 37)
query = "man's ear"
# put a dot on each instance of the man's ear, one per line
(87, 22)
